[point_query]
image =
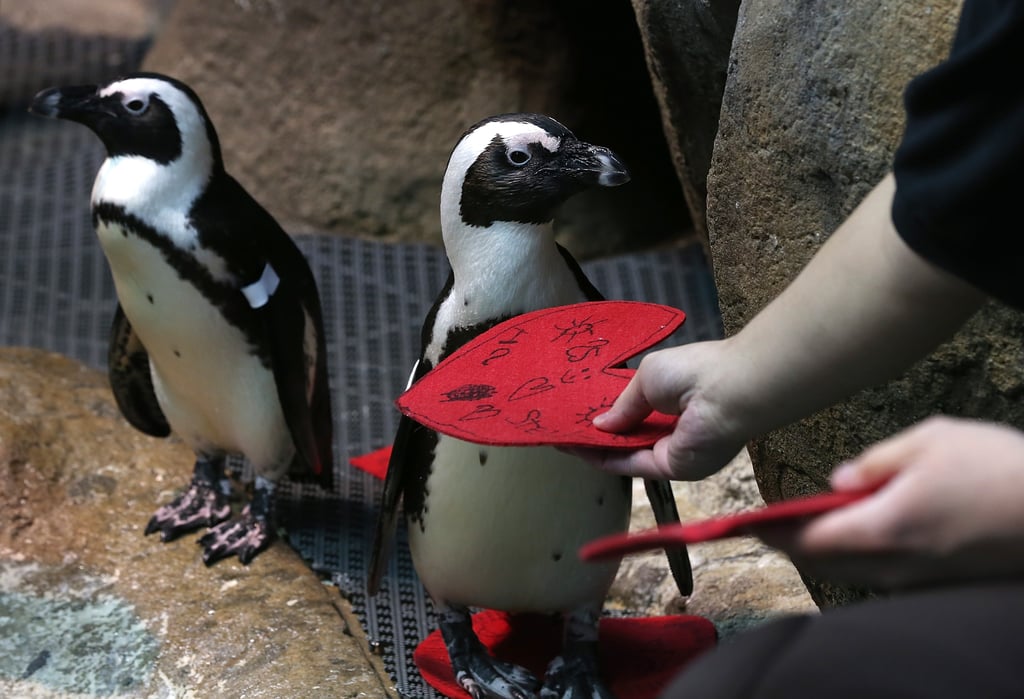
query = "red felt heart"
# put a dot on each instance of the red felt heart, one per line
(718, 527)
(638, 656)
(541, 377)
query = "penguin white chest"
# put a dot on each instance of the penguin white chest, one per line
(501, 527)
(214, 391)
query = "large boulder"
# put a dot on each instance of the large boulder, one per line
(687, 46)
(91, 607)
(811, 116)
(341, 116)
(738, 583)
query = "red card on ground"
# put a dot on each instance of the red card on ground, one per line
(541, 377)
(739, 524)
(639, 656)
(375, 462)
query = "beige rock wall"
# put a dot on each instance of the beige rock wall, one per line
(340, 116)
(687, 46)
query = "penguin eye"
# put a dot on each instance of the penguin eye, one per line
(518, 157)
(136, 106)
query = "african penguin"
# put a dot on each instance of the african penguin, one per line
(218, 335)
(499, 527)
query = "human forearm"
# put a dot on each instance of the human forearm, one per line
(864, 309)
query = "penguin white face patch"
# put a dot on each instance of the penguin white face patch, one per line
(517, 137)
(137, 92)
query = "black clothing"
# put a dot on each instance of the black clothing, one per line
(960, 166)
(959, 642)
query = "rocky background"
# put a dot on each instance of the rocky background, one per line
(90, 607)
(341, 115)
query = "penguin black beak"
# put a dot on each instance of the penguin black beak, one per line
(77, 103)
(594, 165)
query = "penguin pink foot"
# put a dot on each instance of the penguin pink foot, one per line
(203, 504)
(245, 535)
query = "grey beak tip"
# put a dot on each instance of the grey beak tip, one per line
(613, 178)
(46, 103)
(613, 172)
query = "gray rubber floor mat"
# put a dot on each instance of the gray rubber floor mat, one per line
(56, 294)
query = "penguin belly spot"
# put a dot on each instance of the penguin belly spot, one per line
(213, 391)
(504, 535)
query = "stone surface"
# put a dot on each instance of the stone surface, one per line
(738, 582)
(341, 116)
(91, 607)
(687, 45)
(127, 18)
(811, 116)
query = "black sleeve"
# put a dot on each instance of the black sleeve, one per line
(960, 167)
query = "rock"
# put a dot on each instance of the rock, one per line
(341, 116)
(687, 45)
(89, 606)
(811, 116)
(65, 42)
(738, 583)
(124, 18)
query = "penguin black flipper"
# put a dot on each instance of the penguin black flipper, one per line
(589, 290)
(663, 502)
(410, 453)
(412, 447)
(280, 326)
(307, 413)
(131, 381)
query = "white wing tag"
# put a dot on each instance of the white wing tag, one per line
(260, 291)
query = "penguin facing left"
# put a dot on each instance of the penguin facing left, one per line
(218, 335)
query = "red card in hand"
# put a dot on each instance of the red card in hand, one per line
(541, 377)
(739, 524)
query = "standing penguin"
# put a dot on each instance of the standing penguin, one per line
(218, 334)
(499, 527)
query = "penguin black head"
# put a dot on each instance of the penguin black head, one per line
(144, 114)
(519, 168)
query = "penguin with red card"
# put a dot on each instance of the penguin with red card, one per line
(495, 515)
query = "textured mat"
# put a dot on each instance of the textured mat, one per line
(56, 294)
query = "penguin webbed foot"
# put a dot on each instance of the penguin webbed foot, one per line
(203, 504)
(245, 535)
(481, 675)
(575, 673)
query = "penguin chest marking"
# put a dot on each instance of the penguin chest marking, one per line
(501, 527)
(212, 387)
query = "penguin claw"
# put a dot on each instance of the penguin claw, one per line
(246, 536)
(202, 505)
(485, 677)
(574, 675)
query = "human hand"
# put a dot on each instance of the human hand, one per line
(680, 381)
(950, 509)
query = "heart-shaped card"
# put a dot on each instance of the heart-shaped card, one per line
(541, 377)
